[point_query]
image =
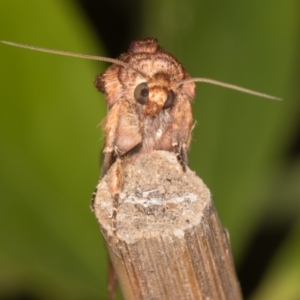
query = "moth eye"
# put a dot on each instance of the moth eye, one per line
(170, 100)
(141, 93)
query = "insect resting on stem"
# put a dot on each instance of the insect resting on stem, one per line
(149, 94)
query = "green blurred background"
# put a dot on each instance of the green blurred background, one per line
(246, 149)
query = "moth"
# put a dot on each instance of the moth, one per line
(149, 96)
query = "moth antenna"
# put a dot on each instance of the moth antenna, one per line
(71, 54)
(229, 86)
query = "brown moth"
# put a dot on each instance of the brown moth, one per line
(149, 95)
(149, 108)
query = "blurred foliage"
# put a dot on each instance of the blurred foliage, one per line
(50, 245)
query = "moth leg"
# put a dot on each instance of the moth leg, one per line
(115, 188)
(92, 204)
(180, 149)
(182, 128)
(184, 155)
(108, 160)
(180, 156)
(114, 214)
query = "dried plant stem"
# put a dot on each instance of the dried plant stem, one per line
(169, 242)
